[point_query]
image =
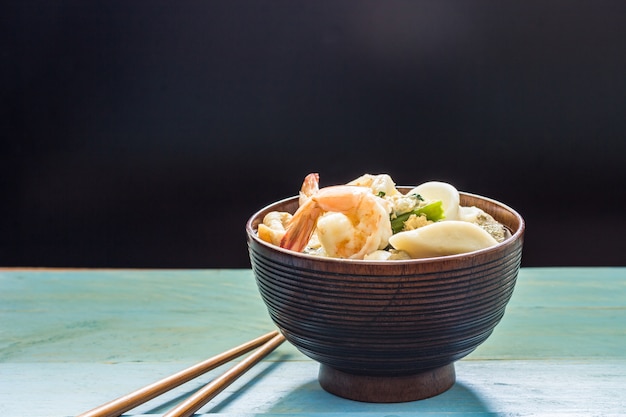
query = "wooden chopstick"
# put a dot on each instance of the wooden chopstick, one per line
(209, 391)
(126, 402)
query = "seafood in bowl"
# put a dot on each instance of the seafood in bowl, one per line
(370, 218)
(383, 328)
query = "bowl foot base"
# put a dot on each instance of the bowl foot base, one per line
(382, 389)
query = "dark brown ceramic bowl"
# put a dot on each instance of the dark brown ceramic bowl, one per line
(388, 331)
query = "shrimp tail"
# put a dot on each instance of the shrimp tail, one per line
(310, 186)
(301, 227)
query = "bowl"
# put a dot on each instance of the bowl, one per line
(387, 331)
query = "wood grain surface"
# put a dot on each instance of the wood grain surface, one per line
(73, 339)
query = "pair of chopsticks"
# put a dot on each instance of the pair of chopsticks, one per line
(267, 344)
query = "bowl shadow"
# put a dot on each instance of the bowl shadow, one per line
(310, 397)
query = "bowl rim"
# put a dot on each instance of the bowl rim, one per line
(515, 236)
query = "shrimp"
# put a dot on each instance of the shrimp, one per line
(273, 228)
(350, 222)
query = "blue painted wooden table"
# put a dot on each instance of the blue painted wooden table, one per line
(73, 339)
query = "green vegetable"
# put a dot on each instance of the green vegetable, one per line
(433, 212)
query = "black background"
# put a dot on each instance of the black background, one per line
(144, 134)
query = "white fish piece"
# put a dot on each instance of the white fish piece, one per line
(377, 183)
(470, 214)
(378, 255)
(442, 238)
(440, 191)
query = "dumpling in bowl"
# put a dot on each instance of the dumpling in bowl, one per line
(443, 238)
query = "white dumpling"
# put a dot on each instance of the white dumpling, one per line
(442, 238)
(440, 191)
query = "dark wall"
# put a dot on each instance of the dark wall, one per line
(144, 134)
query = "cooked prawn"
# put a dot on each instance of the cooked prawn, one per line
(273, 227)
(349, 220)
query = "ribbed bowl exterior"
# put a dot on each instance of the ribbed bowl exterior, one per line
(388, 318)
